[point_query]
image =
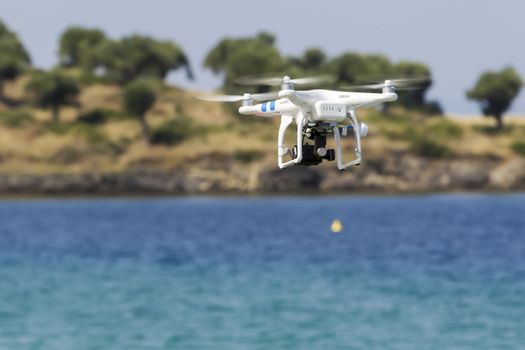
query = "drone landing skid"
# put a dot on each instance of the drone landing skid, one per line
(307, 154)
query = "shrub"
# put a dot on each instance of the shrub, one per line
(173, 131)
(15, 118)
(92, 135)
(67, 155)
(518, 147)
(100, 116)
(432, 108)
(428, 148)
(88, 79)
(446, 129)
(98, 141)
(248, 156)
(492, 130)
(94, 116)
(397, 132)
(56, 128)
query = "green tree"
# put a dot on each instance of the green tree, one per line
(495, 92)
(347, 67)
(77, 44)
(53, 90)
(139, 97)
(138, 57)
(14, 59)
(244, 56)
(413, 98)
(311, 61)
(351, 66)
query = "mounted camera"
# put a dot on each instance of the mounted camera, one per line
(313, 154)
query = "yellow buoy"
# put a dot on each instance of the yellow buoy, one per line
(337, 226)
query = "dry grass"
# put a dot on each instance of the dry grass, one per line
(40, 147)
(101, 96)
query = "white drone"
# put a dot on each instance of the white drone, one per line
(317, 113)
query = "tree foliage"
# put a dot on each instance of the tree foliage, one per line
(14, 58)
(53, 90)
(121, 61)
(416, 97)
(312, 60)
(138, 56)
(350, 65)
(77, 44)
(173, 131)
(139, 97)
(244, 56)
(495, 92)
(259, 56)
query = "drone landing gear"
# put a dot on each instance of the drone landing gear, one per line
(307, 154)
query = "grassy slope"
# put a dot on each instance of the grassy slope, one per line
(38, 146)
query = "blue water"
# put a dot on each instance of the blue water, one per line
(422, 272)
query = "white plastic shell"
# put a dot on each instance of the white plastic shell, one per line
(329, 111)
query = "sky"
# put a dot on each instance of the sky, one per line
(457, 39)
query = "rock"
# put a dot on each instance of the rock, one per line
(216, 181)
(292, 179)
(93, 183)
(441, 175)
(509, 175)
(147, 181)
(222, 174)
(402, 165)
(337, 181)
(469, 174)
(382, 182)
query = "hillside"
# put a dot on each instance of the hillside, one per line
(205, 147)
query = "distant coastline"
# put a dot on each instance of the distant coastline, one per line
(208, 150)
(402, 174)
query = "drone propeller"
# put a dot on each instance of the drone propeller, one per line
(404, 83)
(236, 98)
(275, 81)
(379, 87)
(397, 84)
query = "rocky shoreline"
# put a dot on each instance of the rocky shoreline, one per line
(395, 174)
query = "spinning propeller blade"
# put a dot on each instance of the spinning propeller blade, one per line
(275, 81)
(221, 98)
(236, 98)
(258, 81)
(326, 78)
(412, 83)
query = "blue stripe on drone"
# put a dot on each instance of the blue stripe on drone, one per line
(263, 107)
(272, 106)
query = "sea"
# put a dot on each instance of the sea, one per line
(405, 272)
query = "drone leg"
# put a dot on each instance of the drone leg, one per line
(338, 148)
(282, 150)
(300, 121)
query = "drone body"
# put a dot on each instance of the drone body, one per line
(318, 114)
